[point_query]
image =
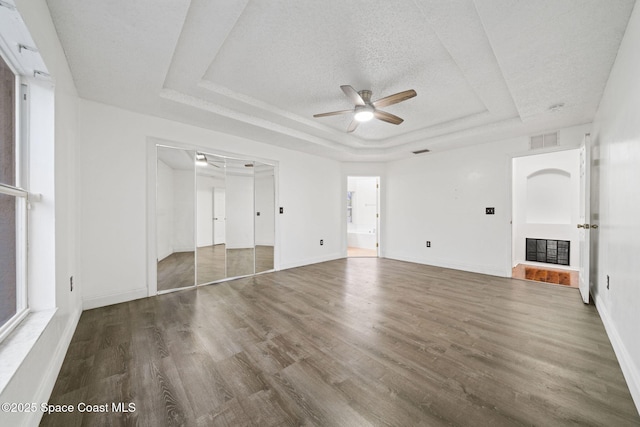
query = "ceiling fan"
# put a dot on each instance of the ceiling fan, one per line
(364, 110)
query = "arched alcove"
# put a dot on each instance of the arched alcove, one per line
(548, 199)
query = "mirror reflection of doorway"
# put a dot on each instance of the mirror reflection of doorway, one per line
(362, 216)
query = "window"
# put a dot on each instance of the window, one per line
(13, 207)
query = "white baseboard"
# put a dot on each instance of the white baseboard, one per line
(629, 370)
(104, 300)
(436, 262)
(53, 369)
(308, 261)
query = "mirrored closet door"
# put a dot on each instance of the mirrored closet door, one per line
(215, 217)
(210, 218)
(264, 183)
(240, 225)
(175, 222)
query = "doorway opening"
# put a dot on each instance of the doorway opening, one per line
(545, 211)
(363, 219)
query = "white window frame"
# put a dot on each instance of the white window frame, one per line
(22, 197)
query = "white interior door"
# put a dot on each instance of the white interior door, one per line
(584, 219)
(219, 216)
(204, 212)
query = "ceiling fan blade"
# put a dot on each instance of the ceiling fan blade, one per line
(386, 117)
(353, 95)
(353, 125)
(394, 99)
(333, 113)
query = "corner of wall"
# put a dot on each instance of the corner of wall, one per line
(629, 369)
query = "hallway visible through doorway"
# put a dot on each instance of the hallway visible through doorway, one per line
(362, 216)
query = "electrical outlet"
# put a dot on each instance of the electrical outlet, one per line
(281, 210)
(490, 211)
(607, 281)
(428, 243)
(71, 283)
(321, 242)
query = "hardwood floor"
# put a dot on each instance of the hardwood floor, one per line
(264, 258)
(352, 342)
(211, 263)
(178, 269)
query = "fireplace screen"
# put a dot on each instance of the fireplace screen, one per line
(549, 251)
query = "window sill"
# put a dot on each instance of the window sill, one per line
(15, 348)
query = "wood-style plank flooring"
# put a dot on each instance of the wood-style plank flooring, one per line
(214, 263)
(351, 342)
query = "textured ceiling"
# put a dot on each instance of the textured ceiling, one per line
(482, 69)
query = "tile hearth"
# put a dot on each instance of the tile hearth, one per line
(544, 274)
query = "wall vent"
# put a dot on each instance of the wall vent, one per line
(549, 251)
(421, 151)
(543, 141)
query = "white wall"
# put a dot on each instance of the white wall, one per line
(239, 211)
(114, 191)
(184, 210)
(265, 199)
(441, 197)
(175, 210)
(546, 197)
(57, 225)
(616, 206)
(204, 210)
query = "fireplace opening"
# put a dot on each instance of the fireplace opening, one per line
(549, 251)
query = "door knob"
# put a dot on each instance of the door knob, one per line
(594, 226)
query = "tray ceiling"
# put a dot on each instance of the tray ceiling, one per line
(483, 70)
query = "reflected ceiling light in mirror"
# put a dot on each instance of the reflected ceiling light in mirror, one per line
(556, 107)
(201, 159)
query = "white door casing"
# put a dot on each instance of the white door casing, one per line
(584, 218)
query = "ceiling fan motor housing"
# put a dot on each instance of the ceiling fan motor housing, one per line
(365, 110)
(366, 96)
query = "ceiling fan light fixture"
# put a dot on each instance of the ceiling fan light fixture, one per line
(363, 114)
(365, 110)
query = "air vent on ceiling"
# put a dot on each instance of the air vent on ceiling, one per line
(543, 141)
(421, 151)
